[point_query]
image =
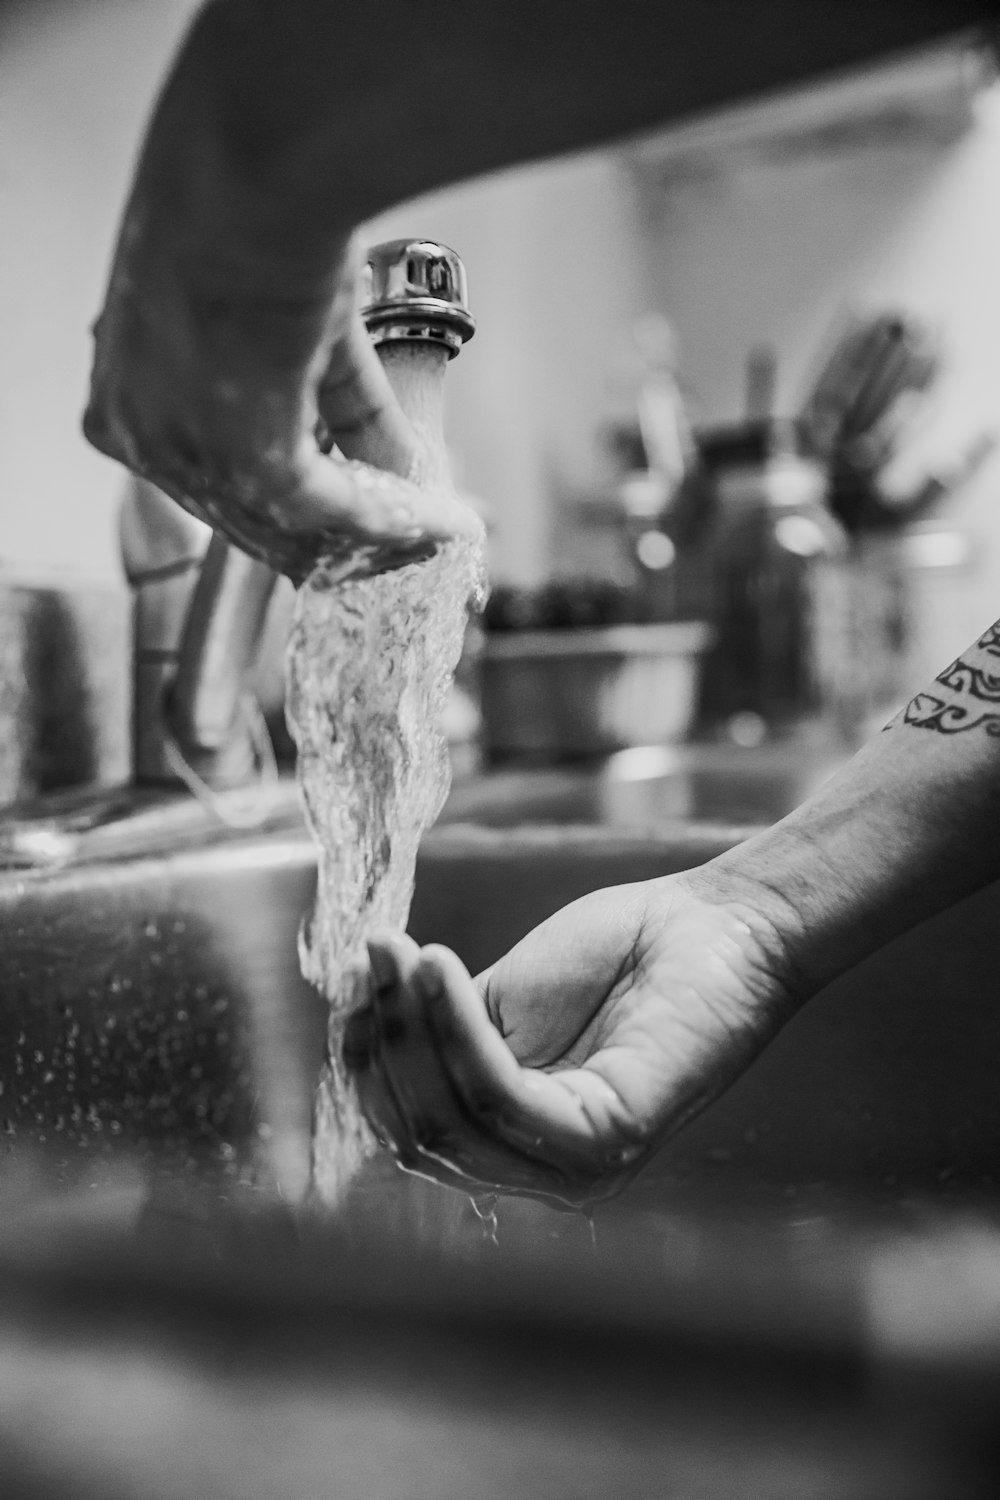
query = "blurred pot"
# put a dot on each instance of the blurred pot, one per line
(550, 695)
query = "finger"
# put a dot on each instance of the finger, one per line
(426, 1115)
(574, 1120)
(427, 1120)
(389, 954)
(485, 1165)
(394, 958)
(297, 510)
(439, 1130)
(359, 408)
(360, 518)
(359, 1050)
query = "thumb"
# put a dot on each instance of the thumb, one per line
(543, 993)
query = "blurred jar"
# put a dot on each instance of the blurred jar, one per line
(941, 607)
(912, 612)
(780, 664)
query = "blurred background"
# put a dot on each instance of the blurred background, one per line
(805, 280)
(732, 414)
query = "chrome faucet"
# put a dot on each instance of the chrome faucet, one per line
(201, 605)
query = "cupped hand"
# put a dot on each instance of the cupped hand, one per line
(561, 1069)
(230, 398)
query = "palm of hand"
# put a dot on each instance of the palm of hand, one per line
(612, 1023)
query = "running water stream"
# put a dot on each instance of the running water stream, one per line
(371, 662)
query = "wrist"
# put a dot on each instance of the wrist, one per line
(906, 829)
(751, 888)
(812, 918)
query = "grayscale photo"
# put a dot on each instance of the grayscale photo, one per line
(499, 750)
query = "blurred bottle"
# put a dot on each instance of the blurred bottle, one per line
(658, 493)
(779, 665)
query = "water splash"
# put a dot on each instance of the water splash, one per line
(484, 1206)
(371, 661)
(370, 666)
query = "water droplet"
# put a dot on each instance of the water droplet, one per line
(484, 1206)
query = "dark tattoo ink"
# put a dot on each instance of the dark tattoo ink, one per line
(927, 712)
(972, 686)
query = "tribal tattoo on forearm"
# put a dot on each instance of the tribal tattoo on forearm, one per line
(970, 697)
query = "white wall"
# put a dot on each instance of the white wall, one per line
(76, 83)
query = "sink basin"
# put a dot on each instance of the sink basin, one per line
(771, 1307)
(652, 785)
(153, 1000)
(153, 997)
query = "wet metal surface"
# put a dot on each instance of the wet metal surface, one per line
(155, 1001)
(797, 1294)
(653, 786)
(156, 1004)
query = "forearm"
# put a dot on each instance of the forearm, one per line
(284, 124)
(909, 827)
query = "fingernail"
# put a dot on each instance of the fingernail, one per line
(383, 962)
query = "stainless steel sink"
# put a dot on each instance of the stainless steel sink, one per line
(771, 1308)
(153, 997)
(153, 1000)
(652, 785)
